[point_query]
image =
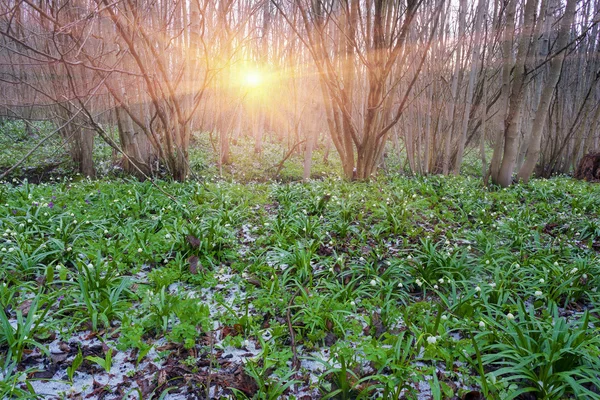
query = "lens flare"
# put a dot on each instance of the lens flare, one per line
(253, 78)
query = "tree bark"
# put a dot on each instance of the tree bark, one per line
(509, 156)
(533, 150)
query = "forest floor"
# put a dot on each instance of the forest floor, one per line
(417, 287)
(239, 285)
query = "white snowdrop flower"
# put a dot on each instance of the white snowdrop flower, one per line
(441, 280)
(331, 270)
(481, 324)
(353, 303)
(21, 225)
(435, 287)
(5, 234)
(140, 250)
(444, 317)
(517, 266)
(373, 282)
(69, 248)
(165, 261)
(72, 215)
(106, 231)
(400, 285)
(431, 339)
(414, 196)
(493, 284)
(538, 293)
(29, 221)
(584, 276)
(8, 241)
(75, 221)
(418, 282)
(542, 280)
(487, 262)
(574, 270)
(556, 263)
(4, 249)
(447, 242)
(477, 289)
(45, 214)
(409, 257)
(510, 316)
(11, 249)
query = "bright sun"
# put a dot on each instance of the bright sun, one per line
(253, 78)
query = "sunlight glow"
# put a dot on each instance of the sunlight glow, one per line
(253, 78)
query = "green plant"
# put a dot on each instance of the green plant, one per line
(21, 336)
(339, 380)
(271, 385)
(74, 365)
(14, 383)
(105, 363)
(131, 338)
(547, 356)
(394, 363)
(102, 293)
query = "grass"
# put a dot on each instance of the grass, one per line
(273, 288)
(395, 279)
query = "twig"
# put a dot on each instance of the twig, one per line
(295, 361)
(38, 145)
(288, 155)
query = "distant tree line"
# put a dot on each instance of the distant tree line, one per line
(434, 78)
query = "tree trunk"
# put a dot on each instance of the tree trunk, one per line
(82, 149)
(481, 7)
(511, 133)
(533, 150)
(507, 41)
(453, 105)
